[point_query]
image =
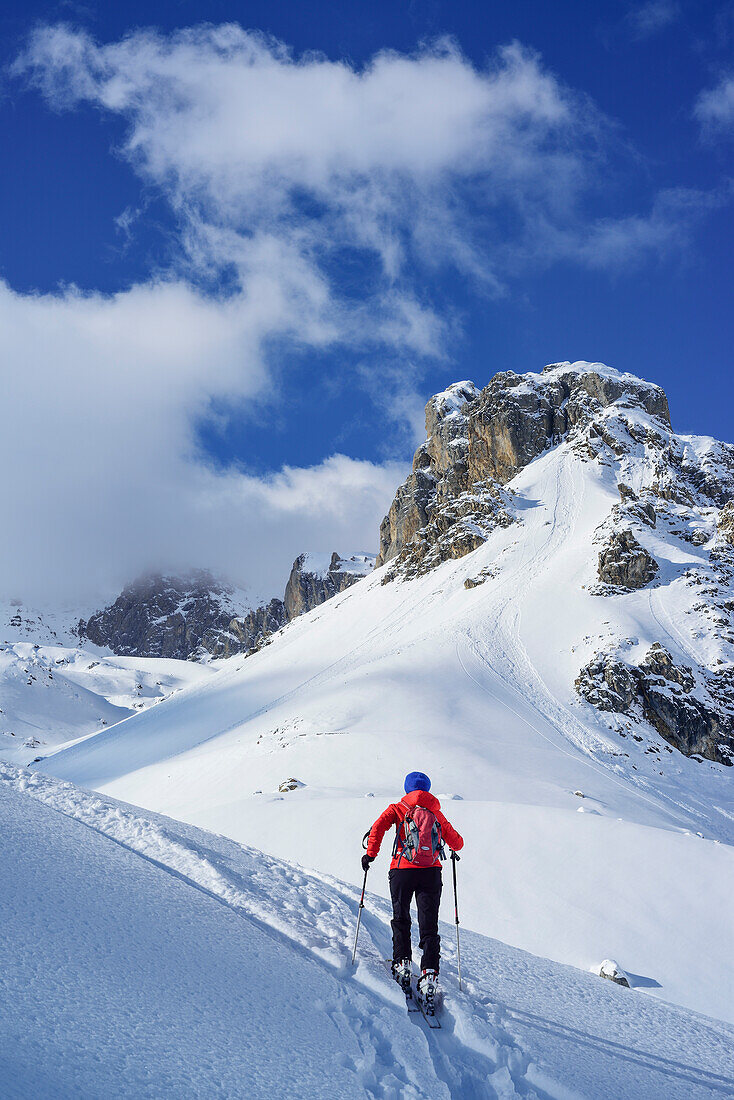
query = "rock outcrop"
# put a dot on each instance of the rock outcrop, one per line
(246, 632)
(315, 578)
(632, 507)
(725, 523)
(442, 511)
(698, 723)
(518, 416)
(613, 972)
(624, 563)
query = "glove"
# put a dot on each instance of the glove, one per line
(366, 860)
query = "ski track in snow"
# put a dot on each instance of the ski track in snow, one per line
(283, 900)
(487, 1048)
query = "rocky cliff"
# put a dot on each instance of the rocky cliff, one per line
(195, 615)
(167, 616)
(447, 506)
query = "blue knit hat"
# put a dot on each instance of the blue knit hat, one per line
(417, 781)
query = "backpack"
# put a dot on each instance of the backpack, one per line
(418, 838)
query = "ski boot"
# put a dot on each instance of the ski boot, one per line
(401, 972)
(428, 991)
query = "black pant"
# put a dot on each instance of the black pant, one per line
(425, 883)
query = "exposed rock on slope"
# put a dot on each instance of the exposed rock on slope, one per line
(442, 511)
(624, 563)
(195, 615)
(518, 416)
(726, 523)
(665, 695)
(246, 632)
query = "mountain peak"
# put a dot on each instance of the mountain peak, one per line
(478, 441)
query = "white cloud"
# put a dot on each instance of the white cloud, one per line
(714, 109)
(102, 477)
(620, 243)
(654, 16)
(617, 243)
(246, 139)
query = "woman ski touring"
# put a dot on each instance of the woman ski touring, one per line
(415, 870)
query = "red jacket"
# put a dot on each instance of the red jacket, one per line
(394, 815)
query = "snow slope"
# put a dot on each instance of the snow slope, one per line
(50, 695)
(53, 689)
(474, 687)
(142, 957)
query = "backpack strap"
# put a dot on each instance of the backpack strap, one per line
(398, 848)
(440, 849)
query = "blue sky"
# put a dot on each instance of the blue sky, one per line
(238, 257)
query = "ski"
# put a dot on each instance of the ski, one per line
(429, 1016)
(411, 1002)
(428, 1003)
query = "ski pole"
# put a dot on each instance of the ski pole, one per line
(359, 918)
(361, 903)
(454, 859)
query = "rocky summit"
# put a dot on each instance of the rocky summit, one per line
(159, 615)
(315, 578)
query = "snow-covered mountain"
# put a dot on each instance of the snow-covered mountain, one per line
(197, 615)
(66, 674)
(672, 489)
(55, 688)
(549, 636)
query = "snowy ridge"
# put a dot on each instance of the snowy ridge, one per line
(523, 1027)
(555, 371)
(320, 565)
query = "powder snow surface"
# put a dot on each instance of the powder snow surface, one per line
(144, 958)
